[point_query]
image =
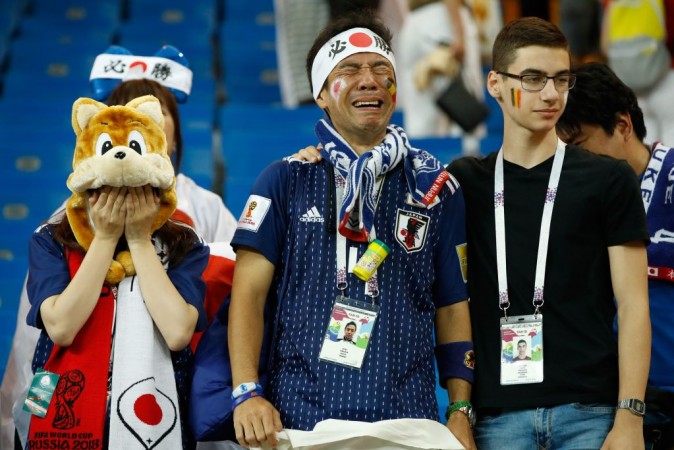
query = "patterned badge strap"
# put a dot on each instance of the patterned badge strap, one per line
(499, 215)
(371, 286)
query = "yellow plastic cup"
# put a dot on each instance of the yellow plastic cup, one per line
(371, 259)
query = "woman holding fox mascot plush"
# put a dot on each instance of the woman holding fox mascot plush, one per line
(116, 288)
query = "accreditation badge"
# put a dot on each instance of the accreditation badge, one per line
(40, 392)
(349, 332)
(522, 349)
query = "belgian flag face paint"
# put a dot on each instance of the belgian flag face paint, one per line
(391, 86)
(516, 97)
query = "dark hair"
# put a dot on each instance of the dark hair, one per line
(361, 19)
(524, 32)
(521, 341)
(351, 323)
(597, 99)
(126, 91)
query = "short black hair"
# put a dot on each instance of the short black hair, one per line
(351, 323)
(360, 19)
(597, 99)
(521, 341)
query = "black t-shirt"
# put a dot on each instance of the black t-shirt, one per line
(598, 205)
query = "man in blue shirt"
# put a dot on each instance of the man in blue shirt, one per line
(303, 230)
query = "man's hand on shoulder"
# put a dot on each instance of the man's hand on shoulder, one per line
(459, 425)
(310, 154)
(256, 421)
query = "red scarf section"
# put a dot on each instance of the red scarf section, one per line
(76, 415)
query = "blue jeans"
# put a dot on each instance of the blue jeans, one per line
(571, 426)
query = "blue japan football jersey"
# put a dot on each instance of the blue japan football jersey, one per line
(290, 218)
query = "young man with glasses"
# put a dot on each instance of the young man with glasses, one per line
(575, 232)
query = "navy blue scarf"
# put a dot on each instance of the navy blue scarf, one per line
(364, 174)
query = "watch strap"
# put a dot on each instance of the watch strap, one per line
(634, 405)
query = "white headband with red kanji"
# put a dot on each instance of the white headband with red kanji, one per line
(345, 44)
(121, 67)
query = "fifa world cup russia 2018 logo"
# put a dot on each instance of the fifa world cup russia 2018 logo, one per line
(69, 387)
(251, 207)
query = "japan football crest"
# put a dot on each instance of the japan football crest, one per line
(411, 230)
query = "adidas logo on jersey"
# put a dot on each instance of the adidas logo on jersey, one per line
(312, 216)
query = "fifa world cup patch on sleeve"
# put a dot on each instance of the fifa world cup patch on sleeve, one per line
(254, 213)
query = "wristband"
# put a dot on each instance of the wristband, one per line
(248, 395)
(455, 360)
(245, 387)
(455, 406)
(465, 407)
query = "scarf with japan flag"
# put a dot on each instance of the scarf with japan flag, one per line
(144, 407)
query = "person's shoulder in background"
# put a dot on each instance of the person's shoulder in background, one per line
(212, 220)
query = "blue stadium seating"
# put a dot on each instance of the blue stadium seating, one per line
(248, 56)
(235, 11)
(200, 17)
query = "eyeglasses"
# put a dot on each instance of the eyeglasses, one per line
(536, 82)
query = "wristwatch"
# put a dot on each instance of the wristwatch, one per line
(465, 407)
(634, 405)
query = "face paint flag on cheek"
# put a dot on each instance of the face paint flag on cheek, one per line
(337, 87)
(392, 89)
(147, 413)
(516, 97)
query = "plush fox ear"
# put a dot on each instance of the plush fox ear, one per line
(83, 110)
(150, 106)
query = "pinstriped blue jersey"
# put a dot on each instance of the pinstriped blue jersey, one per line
(290, 219)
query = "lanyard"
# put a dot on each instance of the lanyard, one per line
(499, 213)
(371, 286)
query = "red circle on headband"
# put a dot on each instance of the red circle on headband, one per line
(360, 39)
(142, 65)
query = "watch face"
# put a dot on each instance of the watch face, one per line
(638, 406)
(635, 405)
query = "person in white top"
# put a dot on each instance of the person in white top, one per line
(439, 41)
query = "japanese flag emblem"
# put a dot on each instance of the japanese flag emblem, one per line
(147, 412)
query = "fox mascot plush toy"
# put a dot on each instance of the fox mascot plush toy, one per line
(118, 146)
